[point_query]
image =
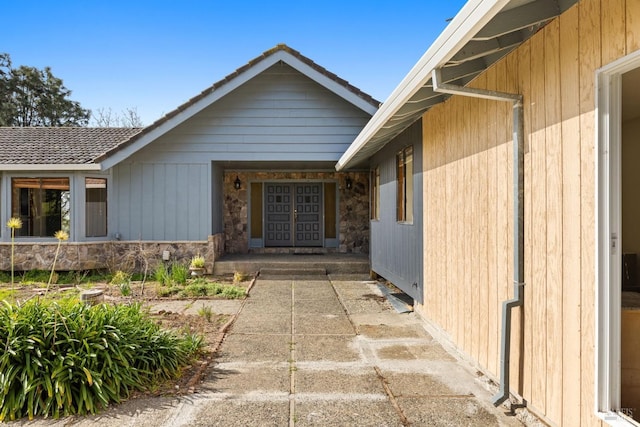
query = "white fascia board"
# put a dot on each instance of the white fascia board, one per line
(189, 112)
(328, 83)
(472, 18)
(50, 167)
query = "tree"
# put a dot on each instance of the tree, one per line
(33, 97)
(106, 118)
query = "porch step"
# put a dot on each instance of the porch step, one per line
(293, 271)
(304, 265)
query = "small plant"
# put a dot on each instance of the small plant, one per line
(197, 261)
(161, 274)
(239, 277)
(123, 281)
(200, 287)
(196, 290)
(125, 289)
(179, 274)
(120, 278)
(205, 311)
(168, 291)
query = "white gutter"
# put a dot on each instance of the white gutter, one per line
(472, 18)
(50, 167)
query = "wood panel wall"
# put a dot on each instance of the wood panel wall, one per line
(468, 198)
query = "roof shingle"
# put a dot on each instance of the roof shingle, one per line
(58, 145)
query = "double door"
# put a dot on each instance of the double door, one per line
(293, 214)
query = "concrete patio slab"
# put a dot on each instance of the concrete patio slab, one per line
(357, 411)
(326, 347)
(238, 379)
(321, 372)
(321, 324)
(263, 323)
(310, 381)
(255, 348)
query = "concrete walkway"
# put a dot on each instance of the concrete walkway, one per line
(321, 351)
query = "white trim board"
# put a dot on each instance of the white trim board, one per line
(608, 246)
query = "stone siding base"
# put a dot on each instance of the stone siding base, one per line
(127, 256)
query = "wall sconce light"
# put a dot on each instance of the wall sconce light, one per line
(349, 183)
(237, 183)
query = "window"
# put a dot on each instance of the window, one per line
(42, 204)
(96, 207)
(404, 201)
(375, 193)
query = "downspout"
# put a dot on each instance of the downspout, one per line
(518, 216)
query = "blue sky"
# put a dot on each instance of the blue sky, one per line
(155, 55)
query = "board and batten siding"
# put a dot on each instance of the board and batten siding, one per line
(162, 201)
(468, 197)
(279, 115)
(396, 247)
(172, 188)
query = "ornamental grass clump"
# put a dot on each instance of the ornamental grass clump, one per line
(68, 358)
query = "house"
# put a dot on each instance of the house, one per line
(245, 166)
(525, 115)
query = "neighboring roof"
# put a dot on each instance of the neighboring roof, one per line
(57, 147)
(480, 34)
(210, 95)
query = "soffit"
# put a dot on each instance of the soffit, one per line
(462, 53)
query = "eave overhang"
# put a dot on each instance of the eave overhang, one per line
(482, 32)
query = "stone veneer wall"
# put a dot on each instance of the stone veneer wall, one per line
(353, 209)
(112, 255)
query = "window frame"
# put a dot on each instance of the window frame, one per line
(375, 194)
(105, 208)
(16, 211)
(404, 185)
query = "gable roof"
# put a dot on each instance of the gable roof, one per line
(57, 148)
(480, 34)
(221, 88)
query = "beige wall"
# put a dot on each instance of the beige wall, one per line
(468, 200)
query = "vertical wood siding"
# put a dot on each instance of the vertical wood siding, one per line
(395, 247)
(468, 259)
(162, 201)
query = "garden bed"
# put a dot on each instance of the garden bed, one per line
(179, 293)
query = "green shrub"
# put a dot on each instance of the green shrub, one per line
(201, 287)
(120, 278)
(161, 274)
(233, 292)
(168, 291)
(195, 290)
(68, 358)
(35, 276)
(5, 277)
(179, 274)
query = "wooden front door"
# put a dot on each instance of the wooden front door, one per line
(293, 214)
